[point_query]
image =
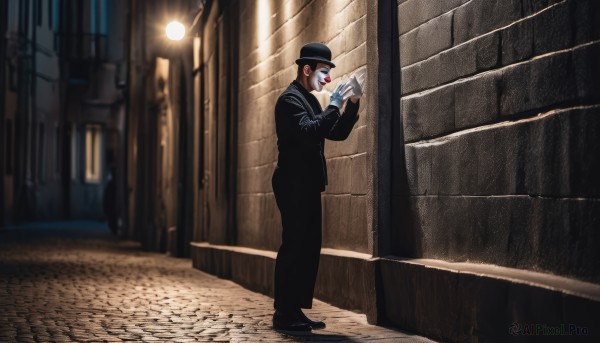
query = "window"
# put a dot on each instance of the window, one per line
(93, 141)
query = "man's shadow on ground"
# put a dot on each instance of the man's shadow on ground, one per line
(319, 337)
(324, 336)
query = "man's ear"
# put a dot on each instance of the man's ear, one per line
(306, 70)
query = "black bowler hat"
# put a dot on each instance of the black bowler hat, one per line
(315, 52)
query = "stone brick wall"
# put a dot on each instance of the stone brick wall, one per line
(271, 35)
(501, 112)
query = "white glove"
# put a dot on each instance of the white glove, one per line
(340, 94)
(357, 86)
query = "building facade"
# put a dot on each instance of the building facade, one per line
(463, 202)
(30, 107)
(63, 119)
(162, 127)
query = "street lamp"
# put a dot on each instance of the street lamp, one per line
(175, 30)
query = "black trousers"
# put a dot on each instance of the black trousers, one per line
(298, 257)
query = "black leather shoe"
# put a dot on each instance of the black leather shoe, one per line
(290, 324)
(313, 324)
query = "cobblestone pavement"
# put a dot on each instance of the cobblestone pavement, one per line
(74, 282)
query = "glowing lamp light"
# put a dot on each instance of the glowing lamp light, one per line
(175, 30)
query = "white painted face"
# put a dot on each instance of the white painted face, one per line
(320, 77)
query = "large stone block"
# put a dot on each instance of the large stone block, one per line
(482, 308)
(545, 147)
(523, 231)
(549, 155)
(545, 234)
(533, 6)
(538, 84)
(430, 231)
(587, 25)
(354, 59)
(445, 173)
(431, 72)
(486, 50)
(358, 179)
(247, 223)
(361, 136)
(339, 174)
(428, 114)
(254, 271)
(357, 231)
(258, 223)
(347, 280)
(211, 260)
(517, 42)
(478, 55)
(336, 219)
(416, 296)
(356, 9)
(566, 147)
(476, 100)
(469, 163)
(489, 240)
(356, 34)
(283, 12)
(418, 169)
(416, 76)
(344, 223)
(584, 165)
(565, 236)
(581, 315)
(482, 16)
(413, 13)
(483, 302)
(251, 268)
(338, 47)
(587, 72)
(502, 167)
(257, 153)
(338, 19)
(544, 306)
(469, 151)
(398, 287)
(255, 179)
(553, 29)
(427, 40)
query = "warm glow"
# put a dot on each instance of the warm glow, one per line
(175, 30)
(93, 142)
(264, 22)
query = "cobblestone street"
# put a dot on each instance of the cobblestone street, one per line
(74, 282)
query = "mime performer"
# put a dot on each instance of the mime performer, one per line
(300, 177)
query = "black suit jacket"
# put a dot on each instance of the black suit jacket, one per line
(302, 126)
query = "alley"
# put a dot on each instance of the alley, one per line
(75, 282)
